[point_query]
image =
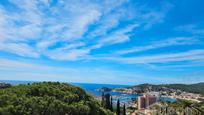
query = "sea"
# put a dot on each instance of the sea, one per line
(93, 90)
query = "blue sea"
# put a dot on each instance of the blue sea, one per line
(92, 89)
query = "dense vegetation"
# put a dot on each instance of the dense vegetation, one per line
(180, 107)
(48, 98)
(107, 102)
(4, 85)
(192, 88)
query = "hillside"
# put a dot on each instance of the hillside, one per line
(192, 88)
(48, 98)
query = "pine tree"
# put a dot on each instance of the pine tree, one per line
(107, 101)
(124, 110)
(111, 104)
(102, 100)
(118, 107)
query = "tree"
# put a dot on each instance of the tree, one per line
(124, 110)
(103, 99)
(111, 104)
(4, 85)
(118, 107)
(48, 98)
(107, 101)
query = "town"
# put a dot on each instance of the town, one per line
(153, 100)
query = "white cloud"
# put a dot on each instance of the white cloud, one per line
(191, 28)
(38, 26)
(41, 72)
(24, 24)
(73, 54)
(109, 22)
(189, 78)
(152, 17)
(30, 20)
(20, 70)
(181, 67)
(112, 15)
(161, 44)
(159, 58)
(71, 30)
(118, 36)
(19, 49)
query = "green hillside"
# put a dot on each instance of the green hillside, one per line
(193, 88)
(48, 98)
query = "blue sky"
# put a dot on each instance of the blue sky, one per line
(110, 41)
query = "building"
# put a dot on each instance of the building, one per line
(141, 104)
(145, 101)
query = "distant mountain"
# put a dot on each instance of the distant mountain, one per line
(192, 88)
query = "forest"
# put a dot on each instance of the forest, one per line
(48, 98)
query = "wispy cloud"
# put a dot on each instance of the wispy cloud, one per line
(182, 66)
(188, 78)
(191, 28)
(156, 16)
(159, 58)
(21, 49)
(69, 31)
(118, 36)
(21, 26)
(20, 70)
(40, 72)
(161, 44)
(30, 20)
(48, 28)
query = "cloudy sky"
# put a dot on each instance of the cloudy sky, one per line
(102, 41)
